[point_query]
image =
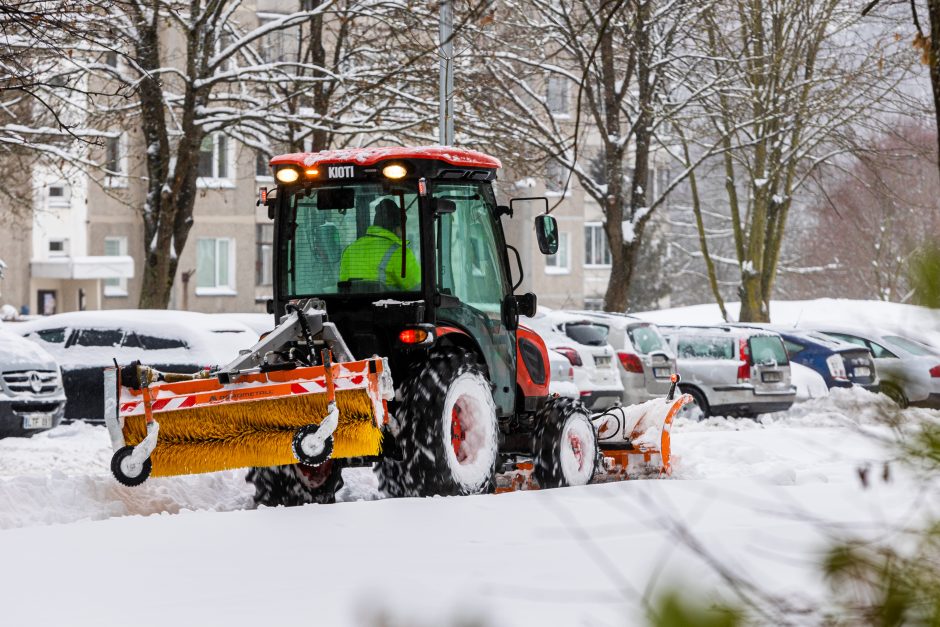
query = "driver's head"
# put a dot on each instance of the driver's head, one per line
(387, 215)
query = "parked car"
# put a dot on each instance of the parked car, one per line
(85, 342)
(840, 363)
(732, 371)
(909, 371)
(644, 360)
(31, 395)
(584, 343)
(561, 376)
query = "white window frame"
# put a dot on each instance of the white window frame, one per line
(218, 290)
(215, 181)
(596, 225)
(118, 289)
(59, 202)
(116, 178)
(564, 250)
(58, 253)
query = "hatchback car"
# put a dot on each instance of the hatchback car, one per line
(841, 364)
(85, 342)
(732, 371)
(584, 343)
(31, 394)
(909, 370)
(645, 361)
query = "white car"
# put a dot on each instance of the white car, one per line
(584, 343)
(909, 371)
(645, 361)
(85, 342)
(31, 395)
(561, 379)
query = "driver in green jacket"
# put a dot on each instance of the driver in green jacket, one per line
(377, 255)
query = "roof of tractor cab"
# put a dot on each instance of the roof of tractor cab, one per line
(371, 156)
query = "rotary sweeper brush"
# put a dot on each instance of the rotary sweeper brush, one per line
(405, 249)
(274, 405)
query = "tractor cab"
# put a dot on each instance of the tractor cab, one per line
(406, 248)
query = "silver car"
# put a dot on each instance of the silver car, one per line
(31, 395)
(732, 371)
(645, 361)
(909, 371)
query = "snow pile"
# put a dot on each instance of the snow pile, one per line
(809, 383)
(18, 353)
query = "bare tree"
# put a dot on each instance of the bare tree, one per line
(625, 64)
(801, 80)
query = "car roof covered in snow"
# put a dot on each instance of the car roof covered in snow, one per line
(371, 156)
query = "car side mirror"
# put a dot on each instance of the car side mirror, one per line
(527, 304)
(443, 205)
(546, 232)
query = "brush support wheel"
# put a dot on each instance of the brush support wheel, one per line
(308, 454)
(125, 471)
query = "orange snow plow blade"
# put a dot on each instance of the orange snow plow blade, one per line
(257, 419)
(636, 440)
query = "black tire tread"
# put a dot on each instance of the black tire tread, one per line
(550, 421)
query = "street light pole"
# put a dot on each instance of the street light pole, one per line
(446, 33)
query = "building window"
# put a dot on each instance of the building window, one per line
(115, 161)
(596, 250)
(556, 177)
(262, 166)
(594, 304)
(556, 95)
(58, 247)
(560, 262)
(214, 158)
(215, 266)
(280, 46)
(264, 268)
(58, 195)
(111, 58)
(114, 247)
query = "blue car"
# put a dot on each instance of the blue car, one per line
(840, 363)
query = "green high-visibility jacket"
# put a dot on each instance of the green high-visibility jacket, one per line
(376, 256)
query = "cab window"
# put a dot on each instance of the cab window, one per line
(468, 249)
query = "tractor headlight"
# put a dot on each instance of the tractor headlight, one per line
(394, 171)
(287, 175)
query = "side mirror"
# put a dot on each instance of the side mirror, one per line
(503, 210)
(546, 232)
(443, 205)
(527, 304)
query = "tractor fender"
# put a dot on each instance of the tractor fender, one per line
(449, 335)
(533, 374)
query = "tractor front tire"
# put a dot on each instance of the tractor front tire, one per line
(447, 431)
(565, 444)
(296, 484)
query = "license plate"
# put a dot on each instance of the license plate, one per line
(862, 371)
(661, 373)
(37, 421)
(601, 361)
(771, 377)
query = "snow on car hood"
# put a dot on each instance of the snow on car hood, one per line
(18, 354)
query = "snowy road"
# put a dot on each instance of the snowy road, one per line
(765, 498)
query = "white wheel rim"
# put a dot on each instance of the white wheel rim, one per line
(472, 399)
(129, 468)
(577, 450)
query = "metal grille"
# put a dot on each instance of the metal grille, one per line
(31, 381)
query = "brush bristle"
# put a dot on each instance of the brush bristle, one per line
(210, 438)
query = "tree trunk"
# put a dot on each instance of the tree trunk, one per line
(933, 9)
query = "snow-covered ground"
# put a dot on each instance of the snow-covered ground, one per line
(763, 498)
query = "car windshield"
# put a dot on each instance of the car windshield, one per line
(348, 239)
(645, 338)
(587, 333)
(909, 345)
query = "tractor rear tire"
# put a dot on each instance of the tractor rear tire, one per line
(565, 444)
(296, 484)
(447, 431)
